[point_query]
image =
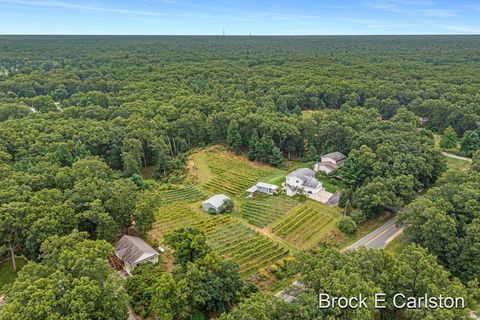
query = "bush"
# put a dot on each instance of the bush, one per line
(347, 225)
(345, 196)
(359, 217)
(227, 206)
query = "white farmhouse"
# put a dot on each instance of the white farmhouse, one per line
(134, 251)
(216, 203)
(264, 188)
(302, 180)
(330, 162)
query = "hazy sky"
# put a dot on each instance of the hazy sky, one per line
(260, 17)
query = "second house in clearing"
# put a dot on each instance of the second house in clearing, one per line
(330, 162)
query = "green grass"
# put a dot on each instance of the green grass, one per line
(7, 276)
(398, 244)
(331, 185)
(277, 177)
(457, 164)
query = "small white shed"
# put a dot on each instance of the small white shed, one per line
(216, 203)
(264, 188)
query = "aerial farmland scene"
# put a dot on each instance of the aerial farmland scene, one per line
(234, 160)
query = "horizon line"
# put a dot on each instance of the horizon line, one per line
(238, 35)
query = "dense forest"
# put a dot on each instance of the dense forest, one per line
(91, 126)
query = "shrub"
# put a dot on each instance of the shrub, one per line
(359, 217)
(347, 225)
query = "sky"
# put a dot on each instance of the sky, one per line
(242, 17)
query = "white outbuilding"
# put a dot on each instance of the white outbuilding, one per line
(216, 203)
(264, 188)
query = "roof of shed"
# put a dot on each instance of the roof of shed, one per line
(133, 249)
(217, 200)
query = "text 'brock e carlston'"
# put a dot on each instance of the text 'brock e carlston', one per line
(398, 301)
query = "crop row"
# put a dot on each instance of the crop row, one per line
(224, 234)
(266, 210)
(189, 194)
(301, 225)
(232, 176)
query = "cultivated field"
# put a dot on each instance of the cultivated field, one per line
(227, 236)
(306, 224)
(187, 194)
(231, 176)
(265, 209)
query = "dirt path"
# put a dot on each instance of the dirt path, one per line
(454, 156)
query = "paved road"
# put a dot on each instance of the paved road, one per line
(380, 237)
(451, 155)
(377, 239)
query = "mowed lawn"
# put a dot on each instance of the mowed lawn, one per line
(457, 164)
(7, 275)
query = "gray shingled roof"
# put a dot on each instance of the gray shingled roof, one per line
(337, 156)
(311, 182)
(329, 165)
(133, 250)
(302, 173)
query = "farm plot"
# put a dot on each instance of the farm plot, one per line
(264, 210)
(188, 194)
(303, 225)
(227, 236)
(232, 176)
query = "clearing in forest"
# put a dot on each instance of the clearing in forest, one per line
(260, 229)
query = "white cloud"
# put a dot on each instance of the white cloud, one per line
(70, 5)
(412, 7)
(461, 28)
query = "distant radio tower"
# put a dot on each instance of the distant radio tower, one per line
(224, 32)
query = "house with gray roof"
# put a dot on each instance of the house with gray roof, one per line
(134, 251)
(216, 203)
(302, 181)
(330, 162)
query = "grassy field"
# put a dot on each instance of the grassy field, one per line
(398, 244)
(330, 184)
(457, 164)
(7, 276)
(260, 230)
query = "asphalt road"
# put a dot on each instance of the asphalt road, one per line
(380, 237)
